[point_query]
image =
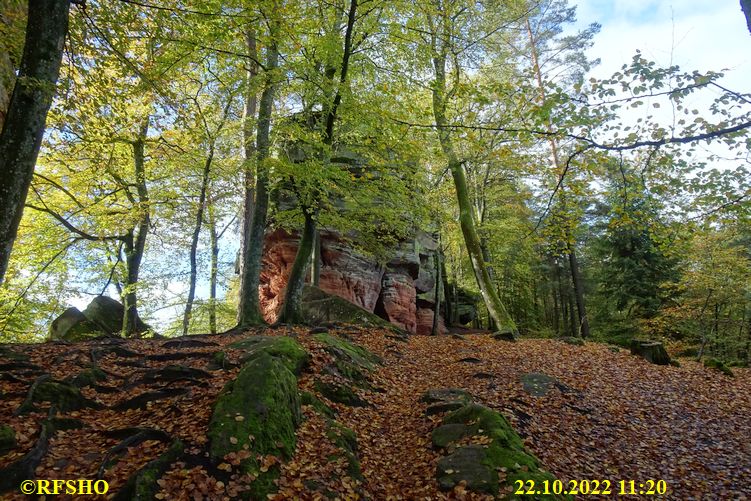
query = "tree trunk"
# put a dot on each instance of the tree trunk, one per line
(214, 267)
(136, 243)
(249, 145)
(292, 310)
(24, 125)
(194, 241)
(560, 172)
(437, 301)
(315, 273)
(578, 292)
(466, 220)
(746, 7)
(249, 309)
(446, 292)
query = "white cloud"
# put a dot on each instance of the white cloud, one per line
(695, 34)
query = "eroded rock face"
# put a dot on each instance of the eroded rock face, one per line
(398, 302)
(402, 291)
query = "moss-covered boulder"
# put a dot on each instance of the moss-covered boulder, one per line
(143, 486)
(107, 314)
(340, 393)
(651, 351)
(346, 440)
(307, 398)
(320, 307)
(72, 325)
(438, 395)
(87, 377)
(538, 384)
(63, 396)
(285, 349)
(351, 361)
(258, 411)
(478, 464)
(10, 354)
(7, 439)
(506, 334)
(718, 365)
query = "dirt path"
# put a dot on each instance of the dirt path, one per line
(613, 417)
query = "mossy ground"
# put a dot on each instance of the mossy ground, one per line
(505, 452)
(259, 411)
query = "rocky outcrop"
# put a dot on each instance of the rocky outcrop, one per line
(402, 291)
(102, 316)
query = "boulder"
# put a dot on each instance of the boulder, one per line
(446, 395)
(574, 341)
(718, 365)
(499, 460)
(108, 314)
(259, 411)
(505, 335)
(7, 439)
(538, 384)
(72, 325)
(321, 307)
(103, 316)
(468, 464)
(286, 349)
(652, 351)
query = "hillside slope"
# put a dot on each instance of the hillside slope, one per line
(586, 412)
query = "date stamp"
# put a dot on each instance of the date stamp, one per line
(591, 487)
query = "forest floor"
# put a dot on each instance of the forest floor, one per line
(612, 416)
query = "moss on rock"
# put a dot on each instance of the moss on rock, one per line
(718, 365)
(346, 440)
(284, 348)
(307, 398)
(339, 393)
(142, 486)
(87, 377)
(572, 340)
(478, 464)
(64, 396)
(348, 352)
(7, 439)
(259, 410)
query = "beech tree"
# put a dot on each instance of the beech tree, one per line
(24, 125)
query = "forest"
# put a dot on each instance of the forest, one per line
(362, 213)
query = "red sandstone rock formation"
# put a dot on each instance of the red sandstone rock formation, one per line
(391, 293)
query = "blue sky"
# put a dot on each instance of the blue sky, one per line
(695, 34)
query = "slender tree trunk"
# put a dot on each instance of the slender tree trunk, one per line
(466, 219)
(249, 309)
(315, 272)
(437, 301)
(134, 248)
(581, 307)
(214, 266)
(578, 292)
(446, 291)
(746, 7)
(24, 125)
(249, 143)
(556, 314)
(292, 310)
(194, 240)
